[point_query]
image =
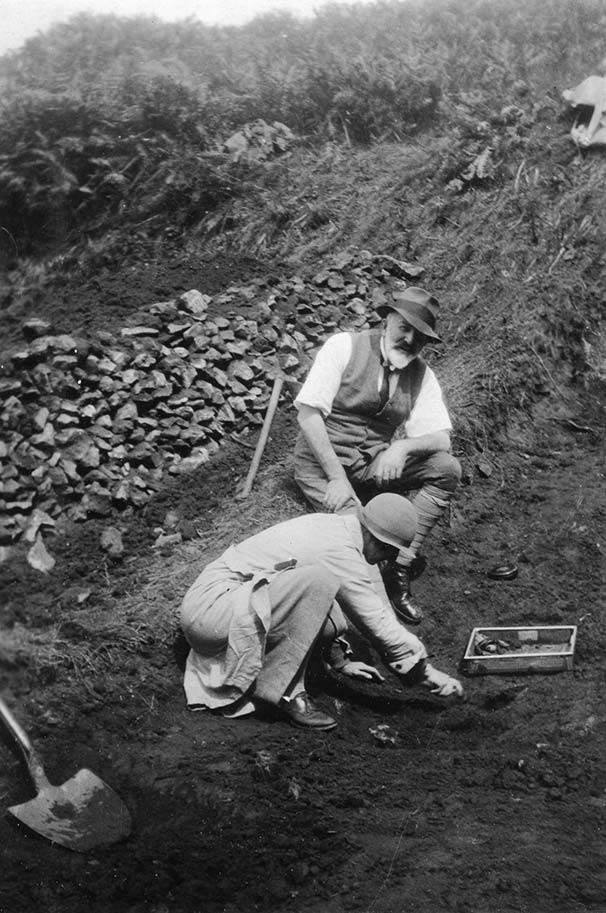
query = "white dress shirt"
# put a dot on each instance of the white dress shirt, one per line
(428, 415)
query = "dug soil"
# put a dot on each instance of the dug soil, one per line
(493, 804)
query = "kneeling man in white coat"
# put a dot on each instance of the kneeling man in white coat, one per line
(255, 615)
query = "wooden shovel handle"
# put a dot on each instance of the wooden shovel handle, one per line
(26, 750)
(15, 730)
(271, 411)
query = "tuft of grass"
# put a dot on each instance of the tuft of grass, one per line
(82, 647)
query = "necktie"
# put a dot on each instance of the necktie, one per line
(384, 391)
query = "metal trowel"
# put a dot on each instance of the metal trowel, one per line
(81, 814)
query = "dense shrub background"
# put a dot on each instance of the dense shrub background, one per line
(108, 122)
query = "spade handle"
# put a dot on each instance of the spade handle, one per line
(15, 730)
(271, 409)
(23, 744)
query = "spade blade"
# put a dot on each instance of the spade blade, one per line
(81, 814)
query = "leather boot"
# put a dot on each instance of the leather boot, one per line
(396, 578)
(301, 711)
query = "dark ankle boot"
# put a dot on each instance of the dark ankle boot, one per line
(396, 579)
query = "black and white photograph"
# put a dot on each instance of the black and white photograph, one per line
(303, 456)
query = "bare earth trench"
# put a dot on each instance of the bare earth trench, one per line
(491, 805)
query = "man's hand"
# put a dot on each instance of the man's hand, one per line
(391, 463)
(356, 669)
(440, 683)
(338, 493)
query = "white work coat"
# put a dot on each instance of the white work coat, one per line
(236, 582)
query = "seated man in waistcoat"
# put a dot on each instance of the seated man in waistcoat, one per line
(361, 389)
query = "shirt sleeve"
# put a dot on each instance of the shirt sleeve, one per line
(369, 612)
(324, 379)
(429, 414)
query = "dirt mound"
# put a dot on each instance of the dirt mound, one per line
(101, 297)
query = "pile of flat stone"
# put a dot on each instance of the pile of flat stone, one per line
(92, 424)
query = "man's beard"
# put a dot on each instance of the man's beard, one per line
(399, 358)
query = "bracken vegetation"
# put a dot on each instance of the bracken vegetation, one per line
(110, 122)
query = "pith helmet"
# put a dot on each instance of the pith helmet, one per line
(414, 304)
(390, 518)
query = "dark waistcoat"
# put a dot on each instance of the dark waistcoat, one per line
(357, 426)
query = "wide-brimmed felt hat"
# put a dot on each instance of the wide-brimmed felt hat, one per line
(415, 305)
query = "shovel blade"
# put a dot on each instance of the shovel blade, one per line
(81, 814)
